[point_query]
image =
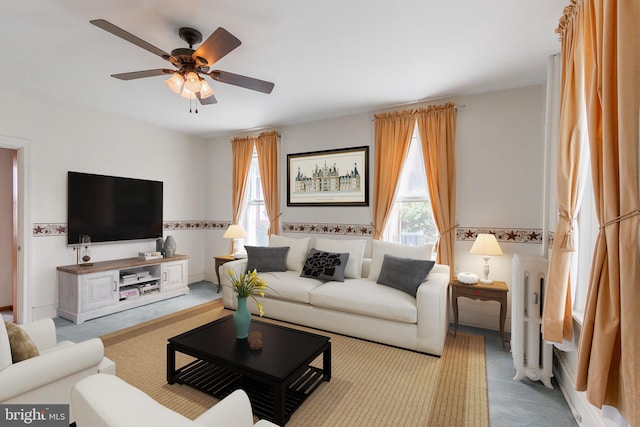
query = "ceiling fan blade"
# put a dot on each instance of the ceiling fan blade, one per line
(220, 43)
(117, 31)
(208, 100)
(242, 81)
(141, 74)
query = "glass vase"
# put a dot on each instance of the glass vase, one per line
(242, 319)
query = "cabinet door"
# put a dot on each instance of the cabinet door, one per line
(98, 290)
(174, 275)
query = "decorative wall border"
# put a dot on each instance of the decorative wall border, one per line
(55, 229)
(507, 235)
(196, 224)
(344, 229)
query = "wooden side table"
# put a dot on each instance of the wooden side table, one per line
(497, 291)
(220, 260)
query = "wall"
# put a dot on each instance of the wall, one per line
(62, 137)
(500, 179)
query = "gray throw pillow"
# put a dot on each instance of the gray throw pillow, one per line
(405, 274)
(264, 259)
(325, 265)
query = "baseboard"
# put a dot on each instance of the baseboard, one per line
(585, 413)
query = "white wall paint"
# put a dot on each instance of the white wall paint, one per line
(500, 169)
(500, 157)
(66, 137)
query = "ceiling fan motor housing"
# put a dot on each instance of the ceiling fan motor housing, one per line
(190, 35)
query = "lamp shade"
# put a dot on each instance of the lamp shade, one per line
(175, 82)
(192, 82)
(235, 231)
(486, 244)
(205, 90)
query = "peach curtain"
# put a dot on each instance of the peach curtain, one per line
(393, 132)
(437, 127)
(267, 148)
(608, 355)
(242, 151)
(557, 318)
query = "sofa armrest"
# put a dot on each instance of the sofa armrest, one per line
(42, 333)
(232, 411)
(103, 400)
(49, 367)
(238, 267)
(433, 309)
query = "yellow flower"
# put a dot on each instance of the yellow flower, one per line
(248, 285)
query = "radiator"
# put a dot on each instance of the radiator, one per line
(532, 357)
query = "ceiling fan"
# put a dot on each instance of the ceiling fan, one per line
(186, 79)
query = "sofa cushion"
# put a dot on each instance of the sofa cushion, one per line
(380, 249)
(355, 249)
(289, 286)
(5, 348)
(404, 274)
(264, 259)
(325, 265)
(364, 297)
(22, 347)
(298, 250)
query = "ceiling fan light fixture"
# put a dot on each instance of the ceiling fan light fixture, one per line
(186, 93)
(192, 82)
(175, 82)
(205, 90)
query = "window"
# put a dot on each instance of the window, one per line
(411, 220)
(587, 225)
(254, 215)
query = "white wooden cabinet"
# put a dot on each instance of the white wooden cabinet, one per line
(174, 275)
(87, 292)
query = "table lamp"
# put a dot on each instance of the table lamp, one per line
(486, 245)
(234, 232)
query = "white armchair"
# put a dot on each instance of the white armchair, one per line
(49, 377)
(107, 401)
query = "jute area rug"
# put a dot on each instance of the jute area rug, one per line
(371, 384)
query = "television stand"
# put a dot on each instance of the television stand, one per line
(87, 292)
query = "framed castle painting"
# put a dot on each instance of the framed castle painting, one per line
(329, 178)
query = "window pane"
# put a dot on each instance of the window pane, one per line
(413, 182)
(254, 216)
(411, 219)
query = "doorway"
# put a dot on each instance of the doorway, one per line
(18, 242)
(8, 233)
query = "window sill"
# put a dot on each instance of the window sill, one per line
(578, 317)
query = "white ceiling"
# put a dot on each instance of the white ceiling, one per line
(326, 57)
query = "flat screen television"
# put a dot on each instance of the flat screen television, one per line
(110, 208)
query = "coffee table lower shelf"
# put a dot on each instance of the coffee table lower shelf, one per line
(220, 382)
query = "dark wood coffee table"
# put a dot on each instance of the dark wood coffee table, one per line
(277, 378)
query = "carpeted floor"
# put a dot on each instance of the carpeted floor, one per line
(371, 385)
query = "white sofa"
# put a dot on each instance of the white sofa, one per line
(48, 377)
(107, 401)
(359, 306)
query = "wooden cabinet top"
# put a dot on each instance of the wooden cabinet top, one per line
(116, 264)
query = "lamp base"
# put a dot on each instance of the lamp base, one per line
(486, 281)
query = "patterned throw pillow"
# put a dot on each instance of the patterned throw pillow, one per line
(22, 347)
(325, 265)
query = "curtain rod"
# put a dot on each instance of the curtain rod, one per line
(419, 101)
(457, 107)
(279, 135)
